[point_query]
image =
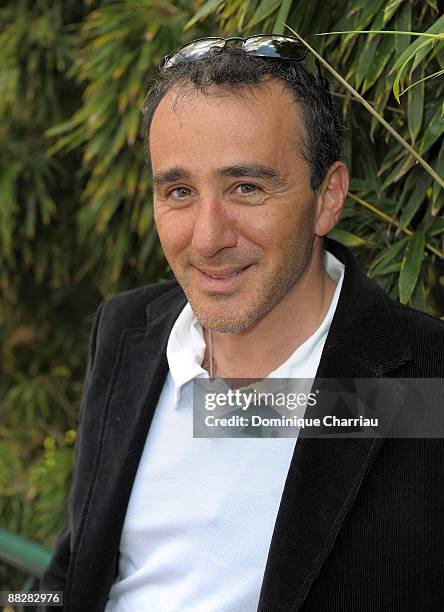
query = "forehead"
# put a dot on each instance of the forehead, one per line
(221, 126)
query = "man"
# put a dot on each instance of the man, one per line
(248, 180)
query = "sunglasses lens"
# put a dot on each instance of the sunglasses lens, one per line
(195, 50)
(282, 47)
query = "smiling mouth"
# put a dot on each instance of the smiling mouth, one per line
(222, 280)
(221, 275)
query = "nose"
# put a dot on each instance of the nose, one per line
(213, 228)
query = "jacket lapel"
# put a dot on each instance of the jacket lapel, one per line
(322, 483)
(325, 475)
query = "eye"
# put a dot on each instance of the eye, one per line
(179, 193)
(248, 188)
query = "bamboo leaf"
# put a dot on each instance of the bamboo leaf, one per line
(438, 204)
(396, 84)
(209, 7)
(389, 269)
(390, 9)
(422, 53)
(436, 29)
(439, 165)
(411, 266)
(282, 17)
(415, 108)
(401, 168)
(148, 245)
(347, 238)
(416, 199)
(246, 11)
(264, 10)
(433, 4)
(230, 9)
(64, 127)
(387, 255)
(429, 76)
(403, 23)
(382, 55)
(433, 131)
(366, 57)
(382, 92)
(437, 227)
(31, 216)
(369, 12)
(418, 299)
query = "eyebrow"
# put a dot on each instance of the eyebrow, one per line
(245, 170)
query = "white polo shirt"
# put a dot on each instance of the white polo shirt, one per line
(202, 511)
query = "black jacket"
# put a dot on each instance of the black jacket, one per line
(360, 524)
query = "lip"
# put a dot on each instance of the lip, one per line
(222, 285)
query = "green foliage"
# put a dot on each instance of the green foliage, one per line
(76, 221)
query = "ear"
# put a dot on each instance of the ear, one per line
(332, 194)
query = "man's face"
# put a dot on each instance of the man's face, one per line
(232, 199)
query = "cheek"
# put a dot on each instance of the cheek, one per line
(175, 230)
(280, 233)
(268, 225)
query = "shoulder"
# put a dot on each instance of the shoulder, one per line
(128, 310)
(417, 323)
(423, 333)
(129, 307)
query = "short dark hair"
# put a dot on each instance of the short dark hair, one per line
(233, 68)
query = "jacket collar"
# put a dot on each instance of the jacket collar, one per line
(365, 329)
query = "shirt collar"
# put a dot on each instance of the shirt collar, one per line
(186, 348)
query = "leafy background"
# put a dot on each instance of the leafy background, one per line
(76, 221)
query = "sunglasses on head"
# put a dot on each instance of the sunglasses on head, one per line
(284, 48)
(278, 47)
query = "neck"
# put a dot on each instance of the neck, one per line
(264, 346)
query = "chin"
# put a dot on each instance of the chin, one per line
(219, 320)
(227, 327)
